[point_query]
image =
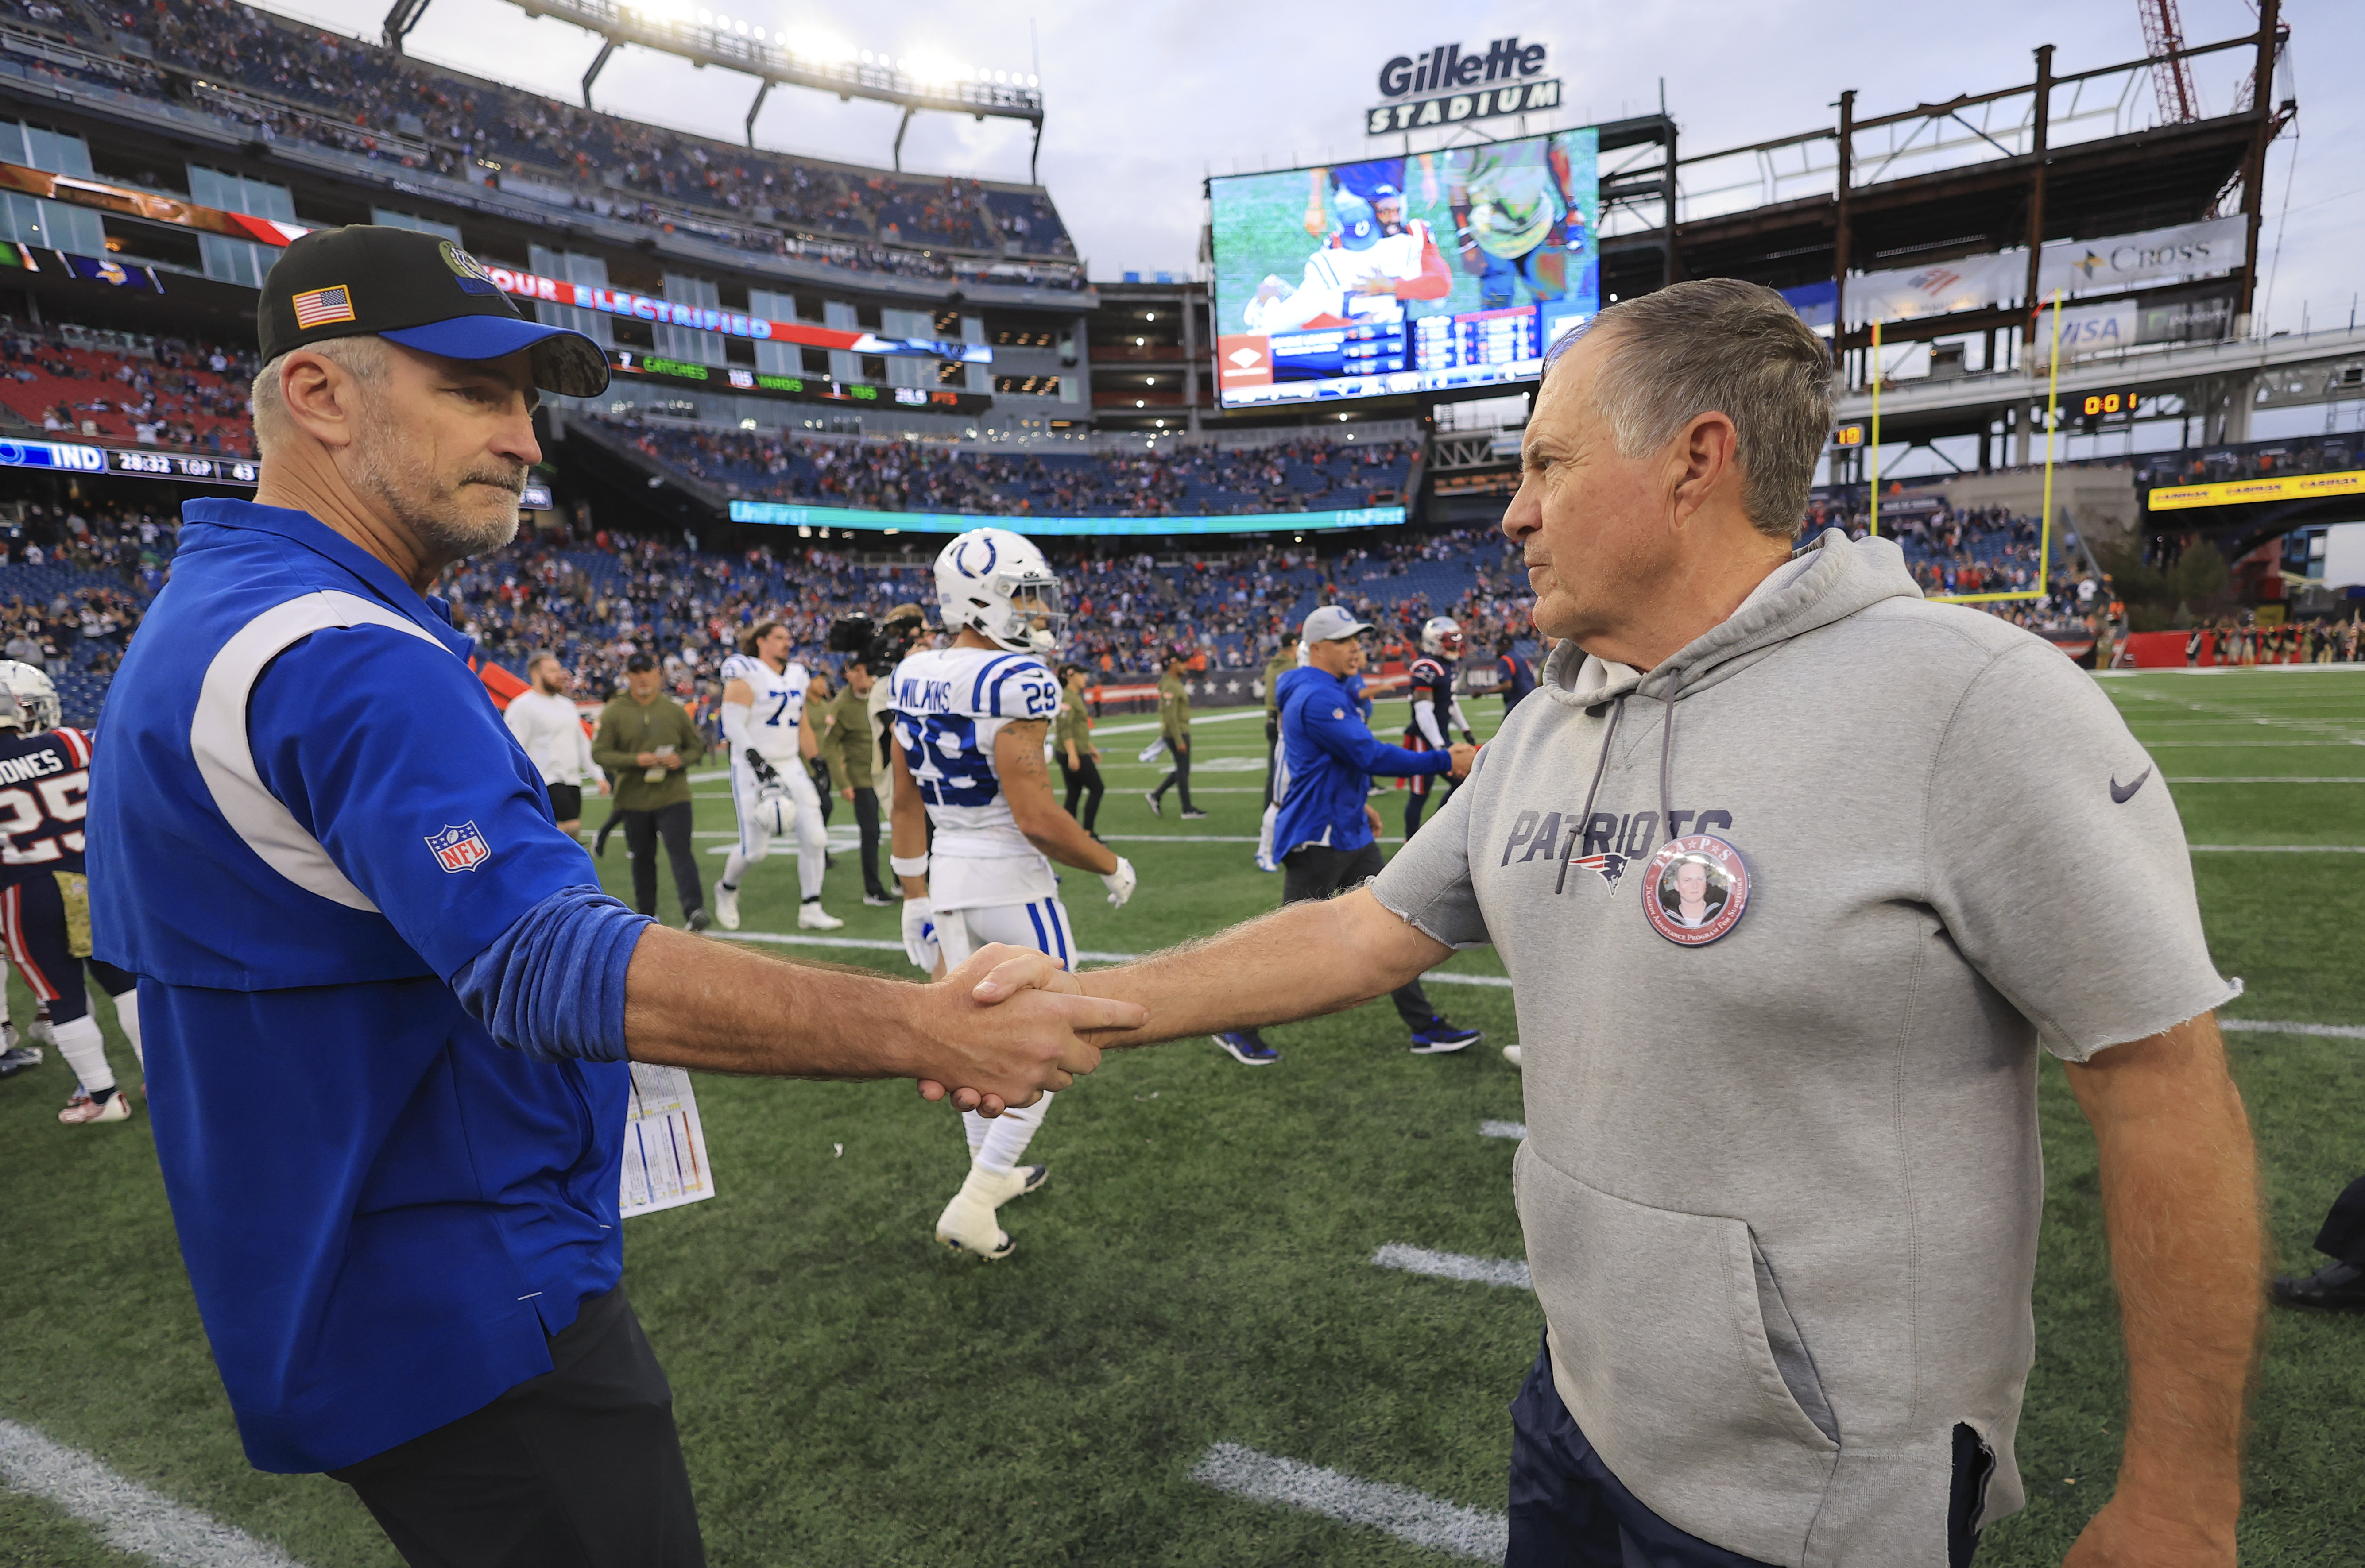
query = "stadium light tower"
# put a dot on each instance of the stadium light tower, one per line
(706, 38)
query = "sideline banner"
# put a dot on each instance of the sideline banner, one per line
(665, 1146)
(2239, 492)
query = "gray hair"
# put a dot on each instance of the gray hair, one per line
(365, 358)
(1720, 345)
(533, 660)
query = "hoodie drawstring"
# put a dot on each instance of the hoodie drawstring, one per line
(1666, 752)
(1576, 836)
(1666, 747)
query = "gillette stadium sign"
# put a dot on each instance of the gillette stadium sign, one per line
(1446, 86)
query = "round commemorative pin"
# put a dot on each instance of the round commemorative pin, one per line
(1695, 889)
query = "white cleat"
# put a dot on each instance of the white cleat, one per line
(1511, 1055)
(726, 907)
(81, 1108)
(812, 917)
(1001, 1186)
(967, 1225)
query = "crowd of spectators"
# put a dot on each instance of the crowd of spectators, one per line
(2330, 453)
(1180, 480)
(598, 602)
(288, 79)
(163, 392)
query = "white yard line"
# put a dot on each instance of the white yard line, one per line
(1411, 1517)
(126, 1515)
(2265, 1027)
(2276, 848)
(1503, 1129)
(2257, 779)
(1511, 1272)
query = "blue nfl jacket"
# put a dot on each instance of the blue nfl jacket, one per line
(306, 818)
(1328, 756)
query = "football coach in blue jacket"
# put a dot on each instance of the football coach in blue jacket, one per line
(387, 1008)
(1324, 834)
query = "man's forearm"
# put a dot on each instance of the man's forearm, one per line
(2181, 1205)
(691, 1003)
(1302, 961)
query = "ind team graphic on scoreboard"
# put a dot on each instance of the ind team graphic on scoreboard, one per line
(665, 1146)
(1453, 268)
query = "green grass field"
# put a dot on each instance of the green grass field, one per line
(1198, 1269)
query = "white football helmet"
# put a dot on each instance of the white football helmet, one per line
(28, 703)
(1441, 635)
(999, 583)
(776, 810)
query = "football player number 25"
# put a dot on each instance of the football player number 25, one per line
(61, 800)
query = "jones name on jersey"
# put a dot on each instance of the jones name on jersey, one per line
(949, 705)
(44, 796)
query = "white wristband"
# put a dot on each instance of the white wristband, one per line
(908, 865)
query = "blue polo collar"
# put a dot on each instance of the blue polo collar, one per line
(301, 528)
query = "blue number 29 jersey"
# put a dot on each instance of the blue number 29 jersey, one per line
(949, 705)
(44, 795)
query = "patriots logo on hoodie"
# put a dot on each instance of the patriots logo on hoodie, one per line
(1609, 866)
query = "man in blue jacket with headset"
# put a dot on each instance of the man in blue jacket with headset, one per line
(1325, 832)
(386, 1007)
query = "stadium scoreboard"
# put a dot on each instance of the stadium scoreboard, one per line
(147, 462)
(1423, 273)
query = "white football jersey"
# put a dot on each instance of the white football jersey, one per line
(778, 710)
(949, 705)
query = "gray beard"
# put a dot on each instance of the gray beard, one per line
(421, 503)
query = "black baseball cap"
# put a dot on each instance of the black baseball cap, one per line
(641, 662)
(425, 293)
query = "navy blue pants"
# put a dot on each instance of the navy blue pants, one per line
(33, 920)
(1569, 1511)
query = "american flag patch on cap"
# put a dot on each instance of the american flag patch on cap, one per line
(323, 306)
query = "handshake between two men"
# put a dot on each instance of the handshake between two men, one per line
(1009, 1024)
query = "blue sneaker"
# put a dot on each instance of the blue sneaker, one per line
(1248, 1048)
(1437, 1036)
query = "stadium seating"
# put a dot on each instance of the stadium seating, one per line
(173, 394)
(292, 80)
(901, 476)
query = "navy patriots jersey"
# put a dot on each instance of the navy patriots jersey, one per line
(44, 795)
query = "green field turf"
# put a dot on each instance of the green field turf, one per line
(1197, 1271)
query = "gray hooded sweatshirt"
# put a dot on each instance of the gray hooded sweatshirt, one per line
(1781, 1189)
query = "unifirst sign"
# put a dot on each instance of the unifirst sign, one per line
(1424, 89)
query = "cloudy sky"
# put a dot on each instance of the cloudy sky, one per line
(1143, 100)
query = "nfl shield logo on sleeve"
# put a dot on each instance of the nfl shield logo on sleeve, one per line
(461, 848)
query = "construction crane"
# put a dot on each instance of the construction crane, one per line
(2172, 79)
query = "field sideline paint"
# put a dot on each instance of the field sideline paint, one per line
(127, 1516)
(1411, 1517)
(1510, 1272)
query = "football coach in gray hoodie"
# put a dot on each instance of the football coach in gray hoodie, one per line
(1794, 873)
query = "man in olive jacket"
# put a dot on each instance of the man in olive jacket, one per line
(648, 743)
(845, 744)
(1174, 728)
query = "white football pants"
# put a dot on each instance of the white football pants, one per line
(998, 1143)
(755, 843)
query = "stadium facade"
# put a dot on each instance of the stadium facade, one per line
(153, 161)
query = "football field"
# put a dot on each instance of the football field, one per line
(1296, 1282)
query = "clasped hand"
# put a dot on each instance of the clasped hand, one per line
(1009, 1026)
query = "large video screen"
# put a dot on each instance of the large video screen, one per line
(1441, 270)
